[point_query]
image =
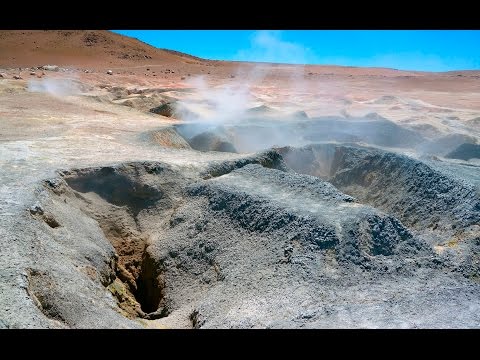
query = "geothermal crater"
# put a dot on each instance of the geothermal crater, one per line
(168, 191)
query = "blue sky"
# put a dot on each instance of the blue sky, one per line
(424, 50)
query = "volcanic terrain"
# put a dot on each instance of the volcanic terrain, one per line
(147, 188)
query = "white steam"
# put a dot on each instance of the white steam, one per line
(249, 99)
(268, 46)
(216, 104)
(55, 87)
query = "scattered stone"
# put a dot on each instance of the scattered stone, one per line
(110, 72)
(33, 73)
(36, 209)
(51, 67)
(17, 77)
(183, 78)
(3, 76)
(167, 110)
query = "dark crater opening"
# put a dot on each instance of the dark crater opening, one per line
(421, 196)
(138, 284)
(116, 189)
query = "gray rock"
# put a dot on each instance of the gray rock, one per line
(167, 109)
(50, 68)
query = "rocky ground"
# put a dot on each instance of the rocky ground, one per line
(230, 195)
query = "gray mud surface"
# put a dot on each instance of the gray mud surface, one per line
(263, 241)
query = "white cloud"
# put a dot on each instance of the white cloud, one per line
(268, 46)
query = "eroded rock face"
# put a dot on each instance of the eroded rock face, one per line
(244, 243)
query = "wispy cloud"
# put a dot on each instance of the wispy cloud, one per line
(268, 46)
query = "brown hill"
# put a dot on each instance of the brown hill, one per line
(102, 49)
(81, 48)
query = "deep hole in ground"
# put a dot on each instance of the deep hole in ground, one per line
(132, 202)
(115, 198)
(422, 197)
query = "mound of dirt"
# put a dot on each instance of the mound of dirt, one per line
(378, 131)
(169, 138)
(174, 110)
(426, 130)
(465, 151)
(386, 100)
(299, 115)
(210, 141)
(261, 110)
(446, 144)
